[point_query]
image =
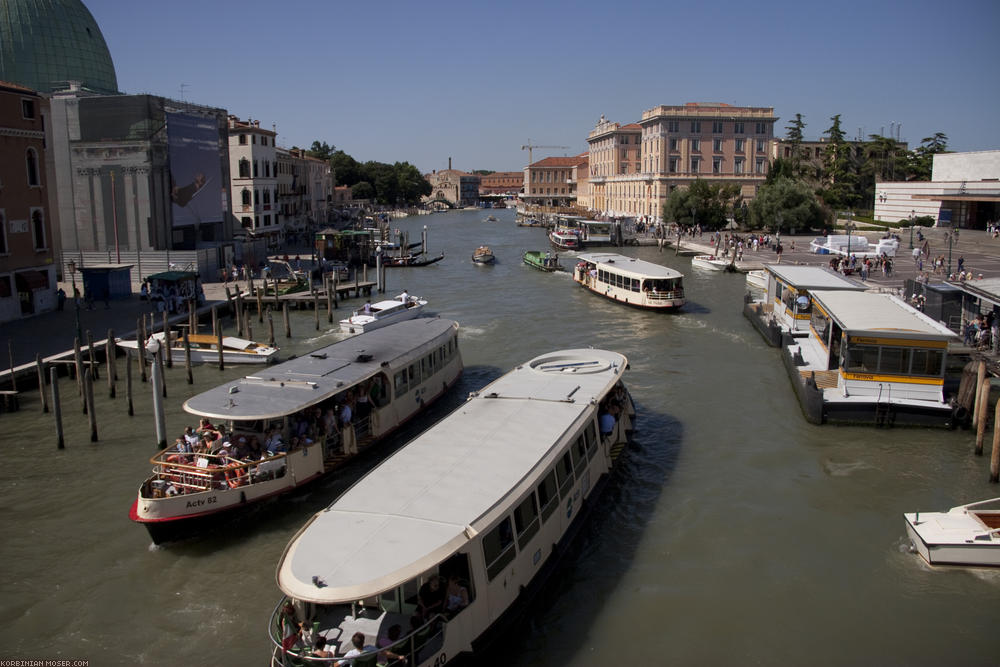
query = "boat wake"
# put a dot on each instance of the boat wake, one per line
(835, 469)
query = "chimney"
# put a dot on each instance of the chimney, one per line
(449, 164)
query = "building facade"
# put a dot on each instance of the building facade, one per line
(501, 183)
(305, 189)
(552, 181)
(27, 260)
(253, 162)
(454, 188)
(677, 145)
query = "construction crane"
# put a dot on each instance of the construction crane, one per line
(529, 146)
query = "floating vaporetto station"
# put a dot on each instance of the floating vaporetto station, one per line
(435, 546)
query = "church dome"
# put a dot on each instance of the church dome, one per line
(45, 44)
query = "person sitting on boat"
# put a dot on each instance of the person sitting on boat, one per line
(358, 642)
(367, 310)
(392, 649)
(290, 626)
(238, 450)
(182, 449)
(273, 436)
(277, 446)
(430, 598)
(319, 648)
(456, 597)
(190, 437)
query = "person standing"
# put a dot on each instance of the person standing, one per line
(347, 436)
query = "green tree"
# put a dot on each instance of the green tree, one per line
(701, 203)
(346, 170)
(839, 170)
(411, 183)
(787, 204)
(362, 190)
(921, 160)
(322, 151)
(794, 137)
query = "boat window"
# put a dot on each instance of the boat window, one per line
(820, 323)
(498, 548)
(591, 435)
(927, 362)
(400, 383)
(895, 360)
(862, 359)
(564, 469)
(635, 284)
(389, 601)
(547, 496)
(526, 521)
(426, 364)
(579, 455)
(413, 374)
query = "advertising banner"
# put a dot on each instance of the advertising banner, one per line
(195, 171)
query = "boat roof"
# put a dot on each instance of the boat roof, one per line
(812, 277)
(884, 314)
(437, 493)
(298, 383)
(626, 264)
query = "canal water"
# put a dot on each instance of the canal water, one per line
(734, 532)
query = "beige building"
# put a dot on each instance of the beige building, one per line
(501, 183)
(305, 186)
(453, 188)
(254, 169)
(552, 181)
(635, 167)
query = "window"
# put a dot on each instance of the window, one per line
(717, 145)
(927, 362)
(256, 222)
(673, 165)
(759, 165)
(246, 222)
(738, 166)
(267, 197)
(716, 127)
(256, 197)
(253, 138)
(673, 144)
(547, 496)
(255, 168)
(28, 109)
(245, 196)
(38, 229)
(267, 220)
(738, 128)
(696, 126)
(31, 163)
(498, 548)
(267, 168)
(591, 437)
(717, 165)
(740, 145)
(526, 521)
(673, 126)
(5, 290)
(243, 140)
(564, 472)
(580, 452)
(760, 145)
(244, 168)
(761, 128)
(695, 165)
(696, 145)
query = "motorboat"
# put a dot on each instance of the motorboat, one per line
(543, 261)
(709, 262)
(631, 281)
(205, 349)
(402, 369)
(411, 260)
(757, 279)
(491, 218)
(483, 255)
(966, 535)
(565, 239)
(530, 222)
(382, 313)
(449, 537)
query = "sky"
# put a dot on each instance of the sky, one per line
(475, 81)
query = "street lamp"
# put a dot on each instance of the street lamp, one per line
(911, 228)
(76, 298)
(952, 236)
(849, 227)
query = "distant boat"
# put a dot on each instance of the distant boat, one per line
(205, 349)
(491, 218)
(757, 279)
(483, 255)
(631, 281)
(964, 535)
(383, 313)
(565, 239)
(530, 222)
(542, 260)
(411, 260)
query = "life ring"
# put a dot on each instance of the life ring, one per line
(235, 477)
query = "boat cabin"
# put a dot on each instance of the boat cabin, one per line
(789, 288)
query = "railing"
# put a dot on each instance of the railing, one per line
(665, 296)
(408, 646)
(186, 475)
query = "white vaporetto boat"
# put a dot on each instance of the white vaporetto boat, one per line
(435, 546)
(630, 281)
(709, 262)
(205, 349)
(383, 313)
(965, 535)
(398, 370)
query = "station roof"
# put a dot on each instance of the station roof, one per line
(879, 314)
(812, 277)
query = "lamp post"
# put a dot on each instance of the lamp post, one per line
(911, 228)
(952, 237)
(849, 227)
(76, 298)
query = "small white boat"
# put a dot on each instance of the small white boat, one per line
(565, 239)
(964, 535)
(204, 349)
(383, 313)
(757, 279)
(709, 262)
(483, 255)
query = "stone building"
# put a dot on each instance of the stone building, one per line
(305, 188)
(254, 166)
(501, 183)
(27, 267)
(452, 188)
(552, 181)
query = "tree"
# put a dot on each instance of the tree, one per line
(322, 151)
(701, 203)
(362, 190)
(411, 183)
(794, 137)
(920, 162)
(787, 204)
(346, 170)
(839, 169)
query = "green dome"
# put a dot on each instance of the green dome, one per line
(44, 44)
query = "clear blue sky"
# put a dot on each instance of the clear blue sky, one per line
(425, 81)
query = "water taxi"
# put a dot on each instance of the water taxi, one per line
(294, 410)
(709, 262)
(966, 535)
(543, 261)
(631, 281)
(434, 548)
(483, 255)
(205, 349)
(383, 313)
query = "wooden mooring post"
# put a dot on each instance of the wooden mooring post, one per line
(187, 358)
(40, 365)
(169, 355)
(88, 389)
(109, 360)
(141, 346)
(128, 383)
(316, 309)
(56, 407)
(329, 299)
(248, 323)
(92, 361)
(158, 414)
(995, 454)
(270, 328)
(288, 325)
(260, 307)
(215, 321)
(10, 358)
(982, 409)
(218, 344)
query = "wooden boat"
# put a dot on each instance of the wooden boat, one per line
(205, 349)
(709, 262)
(383, 313)
(965, 535)
(543, 261)
(483, 255)
(462, 525)
(630, 281)
(411, 260)
(565, 239)
(402, 368)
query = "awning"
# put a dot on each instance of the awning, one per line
(31, 280)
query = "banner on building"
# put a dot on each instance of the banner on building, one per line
(195, 170)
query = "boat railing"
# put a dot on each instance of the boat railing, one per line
(412, 647)
(667, 295)
(193, 473)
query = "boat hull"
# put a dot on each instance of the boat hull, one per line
(709, 263)
(536, 260)
(966, 544)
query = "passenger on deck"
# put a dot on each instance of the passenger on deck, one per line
(347, 436)
(358, 642)
(606, 421)
(290, 626)
(319, 649)
(253, 448)
(182, 449)
(238, 450)
(430, 598)
(190, 436)
(273, 437)
(392, 648)
(456, 596)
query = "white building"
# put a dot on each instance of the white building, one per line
(253, 166)
(964, 191)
